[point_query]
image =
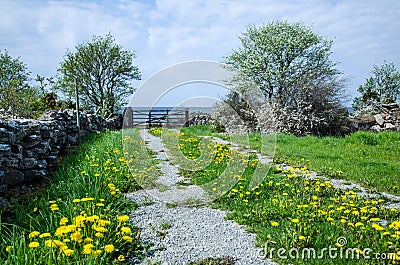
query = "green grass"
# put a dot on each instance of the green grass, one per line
(81, 216)
(287, 211)
(370, 159)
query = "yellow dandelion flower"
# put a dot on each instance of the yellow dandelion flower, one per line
(76, 200)
(121, 258)
(63, 221)
(34, 234)
(109, 248)
(99, 235)
(45, 235)
(76, 236)
(127, 238)
(274, 224)
(100, 204)
(33, 244)
(9, 248)
(302, 237)
(68, 252)
(96, 253)
(87, 240)
(123, 218)
(126, 230)
(295, 220)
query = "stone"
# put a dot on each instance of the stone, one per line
(28, 163)
(376, 128)
(42, 164)
(379, 119)
(12, 177)
(31, 141)
(389, 126)
(5, 148)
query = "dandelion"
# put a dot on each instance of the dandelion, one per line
(54, 207)
(76, 200)
(121, 258)
(127, 238)
(68, 252)
(358, 224)
(9, 248)
(295, 220)
(33, 244)
(99, 235)
(109, 248)
(126, 230)
(274, 224)
(34, 234)
(87, 240)
(378, 227)
(302, 237)
(100, 204)
(45, 235)
(64, 221)
(97, 253)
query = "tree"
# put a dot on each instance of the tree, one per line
(381, 88)
(103, 71)
(290, 64)
(15, 93)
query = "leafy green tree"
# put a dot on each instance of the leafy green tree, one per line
(15, 93)
(281, 55)
(290, 64)
(381, 88)
(104, 72)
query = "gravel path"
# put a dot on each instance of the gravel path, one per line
(183, 234)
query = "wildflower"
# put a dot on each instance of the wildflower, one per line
(295, 220)
(358, 224)
(63, 221)
(9, 248)
(378, 227)
(121, 258)
(99, 235)
(97, 253)
(34, 244)
(76, 237)
(302, 237)
(100, 204)
(68, 252)
(126, 230)
(127, 238)
(34, 234)
(35, 209)
(329, 219)
(76, 200)
(235, 190)
(87, 240)
(375, 219)
(87, 248)
(87, 199)
(50, 243)
(274, 224)
(103, 222)
(54, 207)
(45, 235)
(109, 248)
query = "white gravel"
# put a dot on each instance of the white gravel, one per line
(183, 234)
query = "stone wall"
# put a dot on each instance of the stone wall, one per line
(29, 149)
(388, 119)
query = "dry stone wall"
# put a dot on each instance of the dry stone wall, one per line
(29, 149)
(388, 119)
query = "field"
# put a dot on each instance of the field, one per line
(296, 215)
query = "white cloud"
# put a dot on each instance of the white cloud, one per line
(165, 32)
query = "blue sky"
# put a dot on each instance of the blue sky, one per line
(167, 32)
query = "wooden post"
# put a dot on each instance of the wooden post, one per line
(167, 118)
(77, 110)
(186, 115)
(149, 118)
(128, 117)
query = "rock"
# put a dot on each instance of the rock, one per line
(28, 163)
(12, 177)
(5, 148)
(31, 141)
(390, 126)
(379, 119)
(376, 128)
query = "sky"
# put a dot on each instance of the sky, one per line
(167, 32)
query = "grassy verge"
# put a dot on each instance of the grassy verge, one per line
(301, 217)
(81, 217)
(367, 158)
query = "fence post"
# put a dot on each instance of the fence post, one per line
(186, 115)
(149, 118)
(167, 118)
(128, 117)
